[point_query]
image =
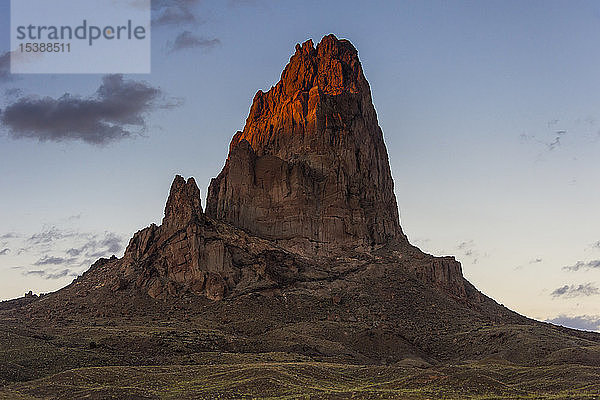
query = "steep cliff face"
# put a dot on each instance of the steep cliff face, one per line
(306, 195)
(190, 253)
(310, 169)
(178, 255)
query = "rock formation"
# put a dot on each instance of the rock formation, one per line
(310, 169)
(299, 253)
(306, 195)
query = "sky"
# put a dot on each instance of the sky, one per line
(490, 112)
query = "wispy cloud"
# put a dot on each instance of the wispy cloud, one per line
(49, 274)
(74, 217)
(533, 261)
(549, 144)
(581, 265)
(116, 111)
(57, 250)
(556, 141)
(189, 40)
(570, 291)
(584, 322)
(237, 3)
(97, 246)
(556, 133)
(73, 260)
(51, 260)
(49, 235)
(469, 250)
(174, 12)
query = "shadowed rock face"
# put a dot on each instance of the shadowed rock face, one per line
(306, 195)
(310, 169)
(174, 257)
(183, 203)
(190, 253)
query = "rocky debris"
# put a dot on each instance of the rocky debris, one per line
(310, 170)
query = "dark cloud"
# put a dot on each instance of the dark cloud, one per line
(188, 40)
(10, 235)
(5, 74)
(4, 252)
(51, 274)
(584, 322)
(535, 261)
(117, 110)
(582, 265)
(570, 291)
(173, 12)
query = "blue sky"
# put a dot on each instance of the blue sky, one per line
(490, 111)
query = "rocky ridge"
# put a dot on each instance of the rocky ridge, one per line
(306, 193)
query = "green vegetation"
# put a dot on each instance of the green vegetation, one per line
(249, 379)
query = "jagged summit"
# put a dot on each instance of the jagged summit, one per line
(310, 169)
(184, 202)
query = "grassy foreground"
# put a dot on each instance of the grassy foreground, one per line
(247, 377)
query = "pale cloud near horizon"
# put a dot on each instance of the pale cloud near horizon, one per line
(582, 265)
(571, 291)
(584, 322)
(55, 250)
